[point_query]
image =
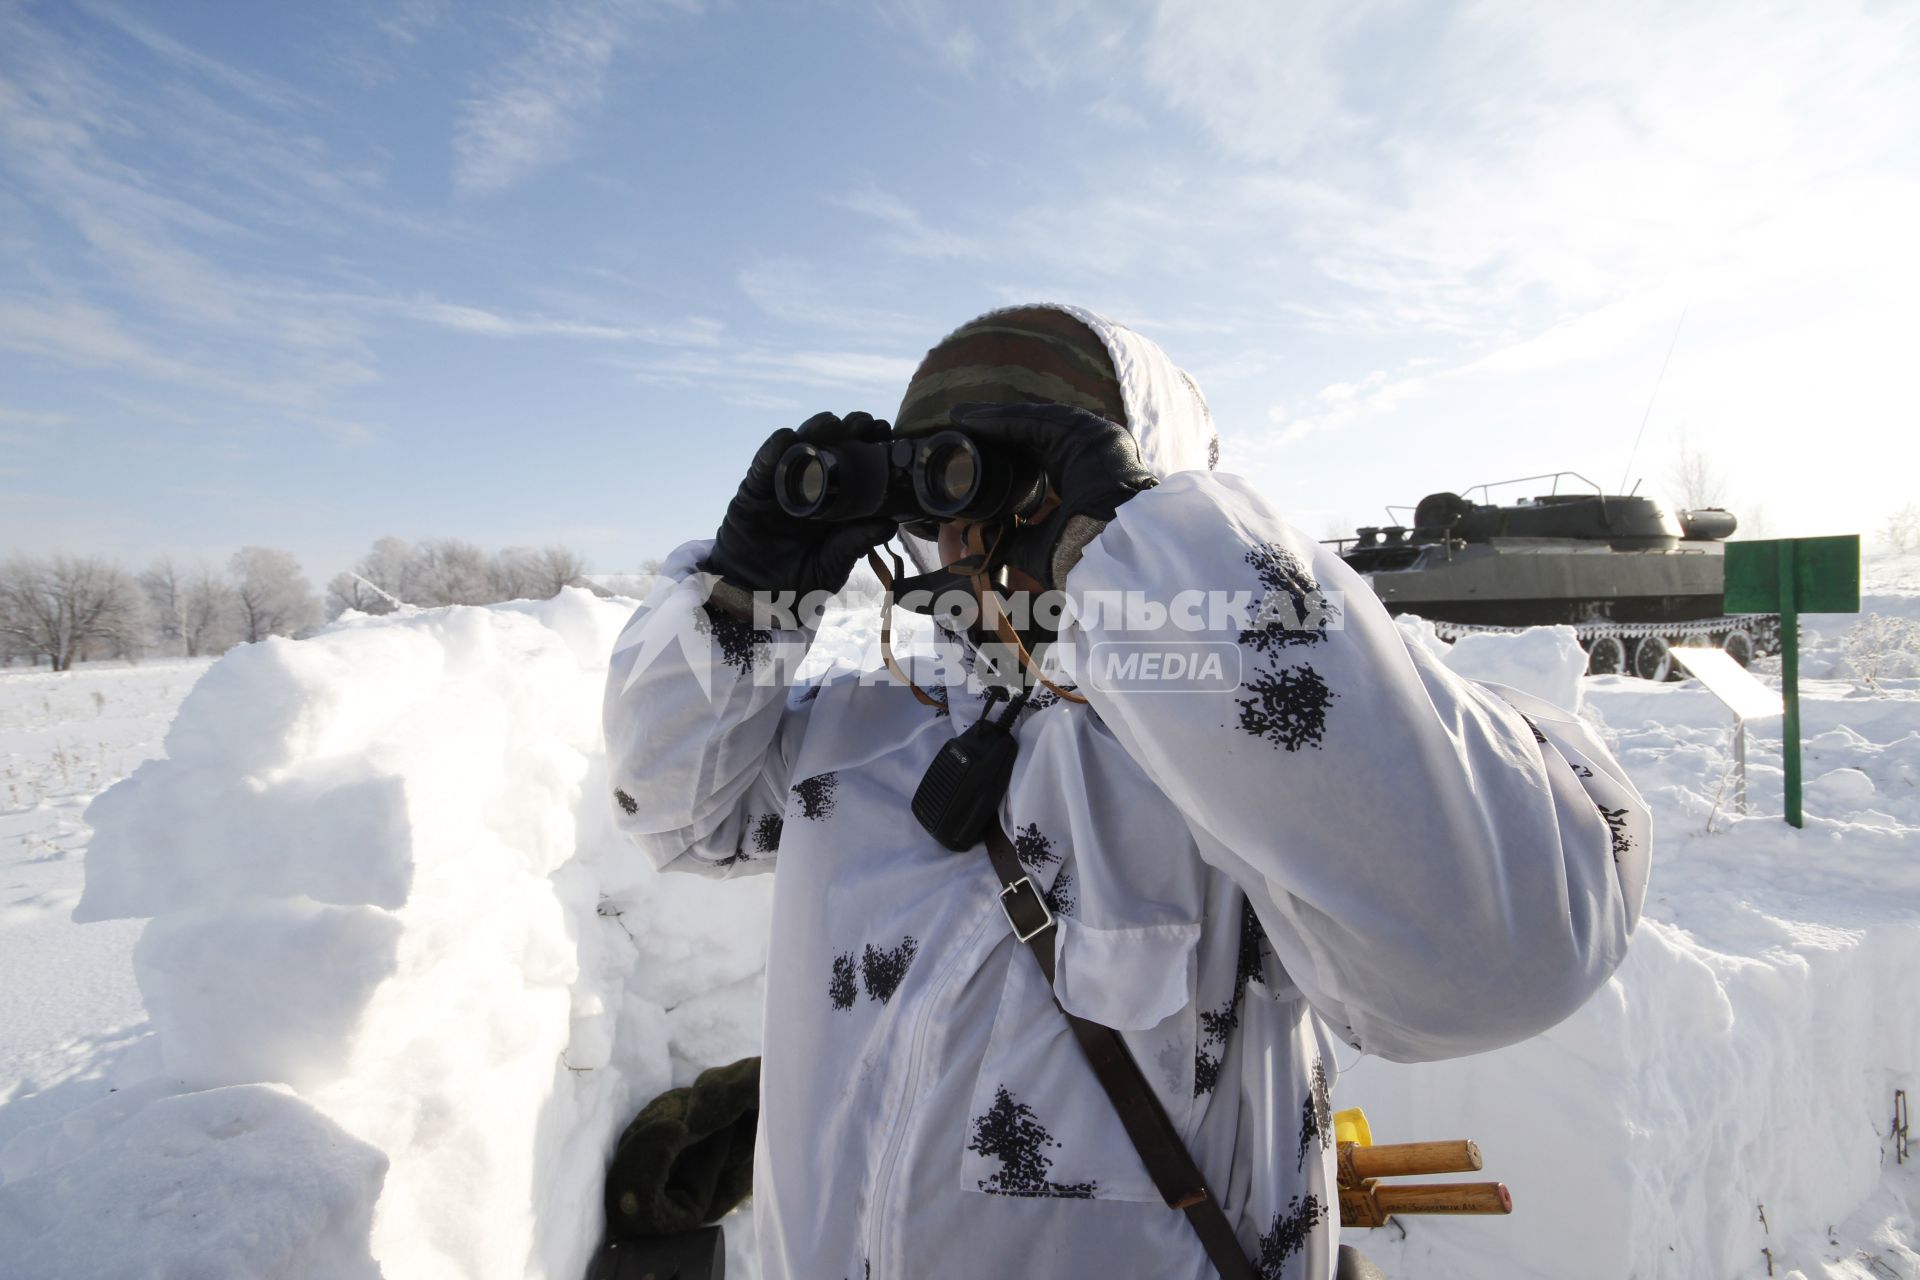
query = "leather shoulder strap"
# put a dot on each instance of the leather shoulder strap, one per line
(1168, 1161)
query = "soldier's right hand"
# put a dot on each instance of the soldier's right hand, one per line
(759, 547)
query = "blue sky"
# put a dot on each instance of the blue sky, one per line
(307, 275)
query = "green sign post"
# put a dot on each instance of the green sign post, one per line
(1791, 576)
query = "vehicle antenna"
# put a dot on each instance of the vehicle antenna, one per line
(1655, 396)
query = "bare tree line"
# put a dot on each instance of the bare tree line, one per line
(443, 571)
(61, 609)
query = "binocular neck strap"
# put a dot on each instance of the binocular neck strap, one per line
(887, 578)
(993, 609)
(980, 556)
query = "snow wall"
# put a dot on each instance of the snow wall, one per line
(409, 985)
(382, 874)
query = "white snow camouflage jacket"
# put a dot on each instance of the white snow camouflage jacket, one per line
(1355, 846)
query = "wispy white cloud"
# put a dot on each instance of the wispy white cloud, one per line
(693, 332)
(906, 232)
(86, 336)
(406, 21)
(1264, 79)
(763, 400)
(817, 295)
(262, 89)
(1114, 112)
(532, 109)
(1534, 162)
(76, 138)
(775, 367)
(1334, 407)
(1467, 176)
(34, 418)
(939, 28)
(831, 368)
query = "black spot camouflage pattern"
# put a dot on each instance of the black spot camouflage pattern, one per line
(1316, 1116)
(842, 987)
(742, 645)
(884, 970)
(1288, 707)
(1288, 1235)
(1010, 1133)
(1217, 1024)
(1059, 896)
(816, 796)
(1033, 848)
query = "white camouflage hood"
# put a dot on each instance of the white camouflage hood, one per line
(1166, 412)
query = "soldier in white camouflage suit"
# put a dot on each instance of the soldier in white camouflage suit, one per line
(1353, 848)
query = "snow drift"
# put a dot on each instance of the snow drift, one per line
(382, 875)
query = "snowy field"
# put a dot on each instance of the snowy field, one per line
(367, 985)
(71, 1020)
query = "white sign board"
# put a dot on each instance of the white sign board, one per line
(1730, 682)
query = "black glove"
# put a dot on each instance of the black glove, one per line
(1091, 463)
(687, 1158)
(761, 548)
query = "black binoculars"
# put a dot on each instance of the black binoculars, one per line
(945, 475)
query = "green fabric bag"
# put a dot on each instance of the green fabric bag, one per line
(687, 1158)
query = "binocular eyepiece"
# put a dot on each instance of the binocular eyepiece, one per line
(946, 475)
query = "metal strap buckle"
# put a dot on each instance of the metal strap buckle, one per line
(1046, 916)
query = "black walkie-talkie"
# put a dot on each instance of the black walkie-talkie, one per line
(961, 789)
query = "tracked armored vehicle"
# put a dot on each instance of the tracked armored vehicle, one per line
(1631, 577)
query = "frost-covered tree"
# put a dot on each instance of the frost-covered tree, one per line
(1902, 529)
(523, 573)
(557, 567)
(388, 566)
(208, 607)
(1696, 480)
(68, 607)
(528, 574)
(380, 577)
(449, 571)
(166, 605)
(513, 574)
(272, 596)
(189, 611)
(349, 590)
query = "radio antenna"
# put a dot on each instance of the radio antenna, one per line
(1655, 396)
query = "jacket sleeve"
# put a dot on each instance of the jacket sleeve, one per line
(1443, 867)
(702, 724)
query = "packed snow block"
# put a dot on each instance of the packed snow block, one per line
(581, 620)
(1416, 630)
(185, 834)
(382, 869)
(271, 991)
(1546, 662)
(229, 1184)
(1640, 1137)
(280, 700)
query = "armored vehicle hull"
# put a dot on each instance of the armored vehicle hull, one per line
(1630, 577)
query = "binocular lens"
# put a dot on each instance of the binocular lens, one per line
(957, 478)
(952, 473)
(801, 481)
(810, 481)
(930, 478)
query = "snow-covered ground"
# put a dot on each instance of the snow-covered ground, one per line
(71, 1020)
(1723, 1107)
(399, 985)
